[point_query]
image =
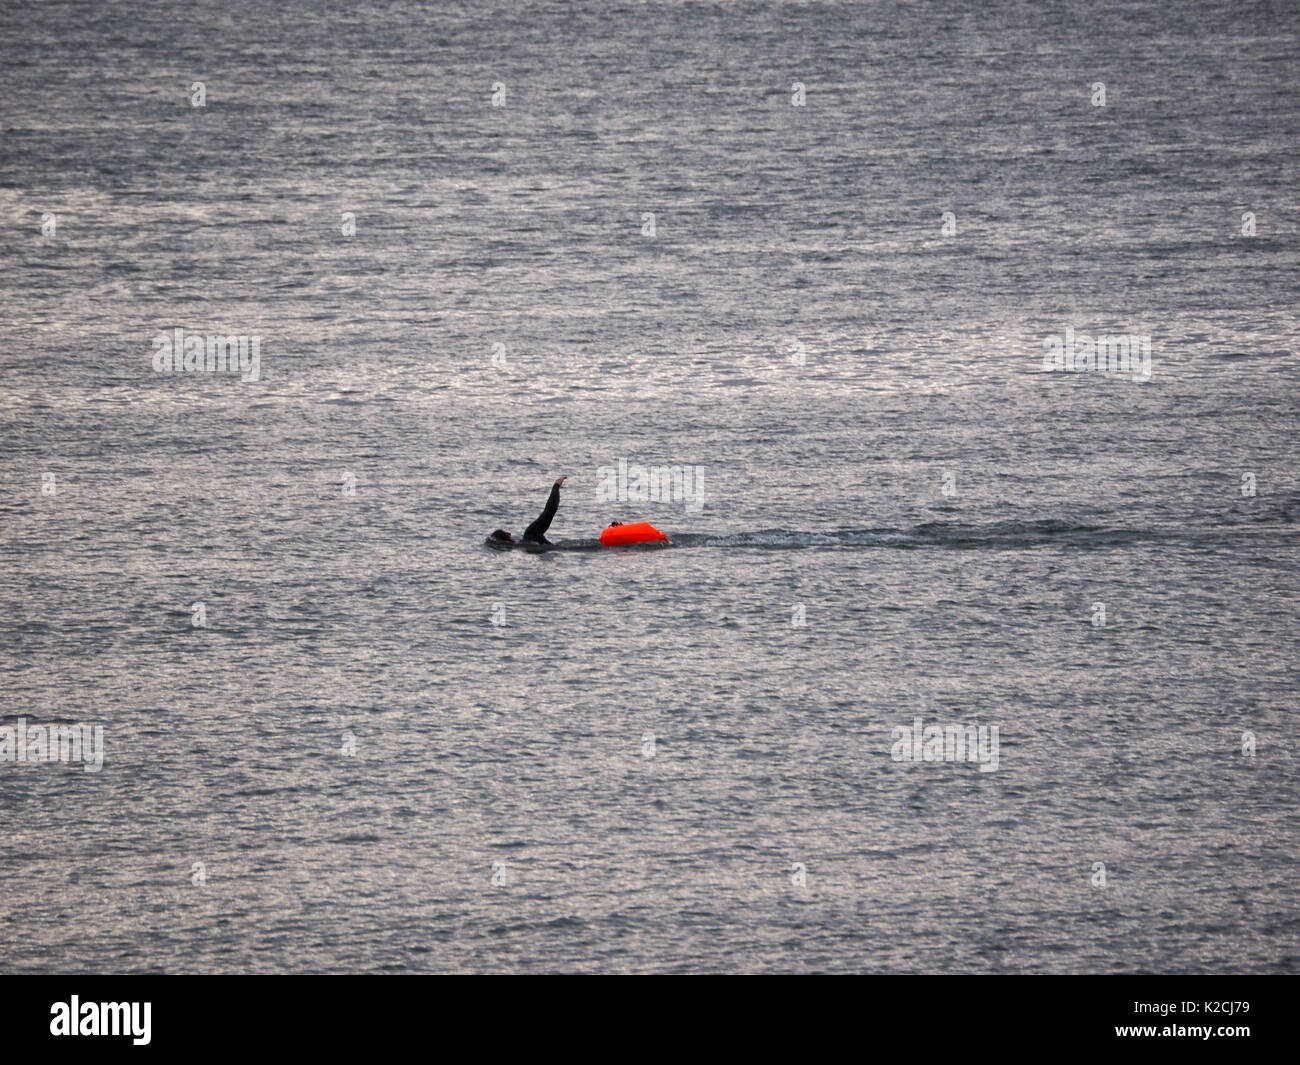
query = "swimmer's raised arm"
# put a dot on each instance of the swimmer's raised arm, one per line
(536, 532)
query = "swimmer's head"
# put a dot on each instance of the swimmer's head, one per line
(500, 536)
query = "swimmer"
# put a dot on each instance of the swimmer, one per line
(536, 532)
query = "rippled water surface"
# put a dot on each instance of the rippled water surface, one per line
(671, 758)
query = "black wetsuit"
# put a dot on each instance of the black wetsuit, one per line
(536, 532)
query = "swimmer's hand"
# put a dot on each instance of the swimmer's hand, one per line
(560, 480)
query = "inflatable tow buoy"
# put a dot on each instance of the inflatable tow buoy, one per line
(641, 532)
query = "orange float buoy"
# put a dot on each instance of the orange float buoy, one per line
(641, 532)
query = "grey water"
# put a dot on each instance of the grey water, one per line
(486, 244)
